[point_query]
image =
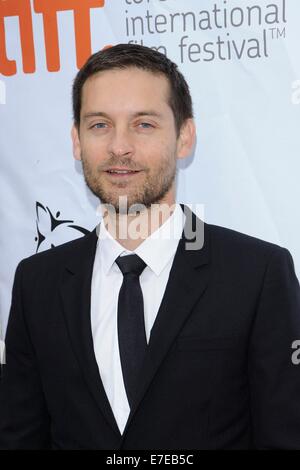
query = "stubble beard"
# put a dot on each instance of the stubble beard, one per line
(154, 188)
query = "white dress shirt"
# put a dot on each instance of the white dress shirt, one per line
(157, 251)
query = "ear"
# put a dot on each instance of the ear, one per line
(186, 139)
(76, 143)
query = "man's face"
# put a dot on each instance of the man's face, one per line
(127, 124)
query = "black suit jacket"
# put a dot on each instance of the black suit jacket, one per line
(218, 373)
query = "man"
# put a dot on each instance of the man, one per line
(131, 337)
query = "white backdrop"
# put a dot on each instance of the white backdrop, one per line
(241, 59)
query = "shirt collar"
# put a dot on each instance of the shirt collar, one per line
(156, 250)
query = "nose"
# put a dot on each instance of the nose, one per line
(121, 142)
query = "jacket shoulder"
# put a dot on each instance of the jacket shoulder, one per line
(61, 253)
(245, 258)
(241, 245)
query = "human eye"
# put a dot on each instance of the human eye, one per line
(145, 125)
(99, 125)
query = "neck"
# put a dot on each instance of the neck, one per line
(130, 230)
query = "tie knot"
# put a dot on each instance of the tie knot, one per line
(131, 264)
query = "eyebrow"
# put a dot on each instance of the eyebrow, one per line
(134, 115)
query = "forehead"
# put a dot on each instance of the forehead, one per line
(120, 87)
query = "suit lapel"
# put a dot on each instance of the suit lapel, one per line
(76, 295)
(187, 282)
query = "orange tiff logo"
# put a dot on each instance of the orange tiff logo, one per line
(49, 10)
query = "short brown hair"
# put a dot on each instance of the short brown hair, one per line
(124, 56)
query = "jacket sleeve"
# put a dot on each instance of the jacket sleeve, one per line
(24, 421)
(274, 376)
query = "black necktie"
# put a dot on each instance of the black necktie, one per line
(131, 324)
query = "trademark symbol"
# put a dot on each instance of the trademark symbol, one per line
(277, 33)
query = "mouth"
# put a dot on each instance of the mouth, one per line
(122, 173)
